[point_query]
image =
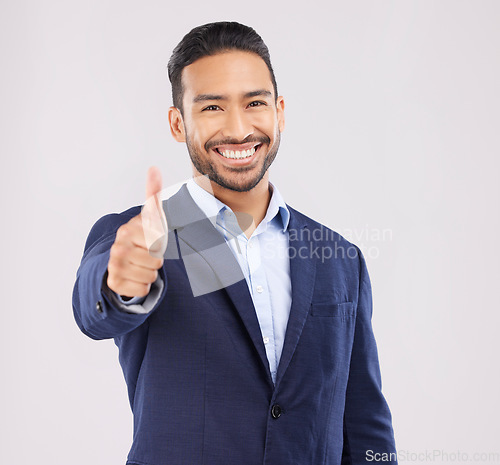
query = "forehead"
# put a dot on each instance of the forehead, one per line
(227, 73)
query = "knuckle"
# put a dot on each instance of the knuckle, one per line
(118, 250)
(153, 276)
(144, 288)
(114, 264)
(158, 263)
(113, 283)
(141, 290)
(123, 231)
(111, 270)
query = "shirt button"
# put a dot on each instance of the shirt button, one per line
(250, 244)
(266, 340)
(260, 289)
(98, 306)
(276, 411)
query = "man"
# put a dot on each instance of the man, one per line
(244, 332)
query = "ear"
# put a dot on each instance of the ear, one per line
(280, 108)
(176, 124)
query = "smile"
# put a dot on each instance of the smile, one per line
(243, 154)
(237, 154)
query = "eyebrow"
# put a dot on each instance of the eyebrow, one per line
(253, 93)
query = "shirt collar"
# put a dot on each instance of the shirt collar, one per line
(277, 206)
(212, 207)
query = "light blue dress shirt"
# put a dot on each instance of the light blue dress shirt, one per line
(263, 258)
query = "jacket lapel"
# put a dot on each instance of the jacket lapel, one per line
(302, 274)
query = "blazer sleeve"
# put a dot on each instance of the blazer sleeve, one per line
(368, 432)
(96, 312)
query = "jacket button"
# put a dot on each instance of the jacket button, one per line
(275, 411)
(98, 306)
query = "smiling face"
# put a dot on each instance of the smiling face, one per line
(231, 121)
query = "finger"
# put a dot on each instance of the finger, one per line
(153, 182)
(153, 218)
(131, 233)
(130, 272)
(136, 255)
(127, 288)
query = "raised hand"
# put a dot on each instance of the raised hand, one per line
(139, 246)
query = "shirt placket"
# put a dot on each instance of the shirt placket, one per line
(262, 299)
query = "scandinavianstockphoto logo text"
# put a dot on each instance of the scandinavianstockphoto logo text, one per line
(432, 455)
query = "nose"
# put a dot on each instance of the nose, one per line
(237, 126)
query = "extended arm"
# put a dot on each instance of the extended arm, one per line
(98, 312)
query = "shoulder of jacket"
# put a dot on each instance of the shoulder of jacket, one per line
(319, 231)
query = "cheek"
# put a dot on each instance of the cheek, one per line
(196, 138)
(266, 123)
(206, 130)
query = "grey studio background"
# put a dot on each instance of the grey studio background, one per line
(391, 139)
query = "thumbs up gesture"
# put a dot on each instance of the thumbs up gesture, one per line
(137, 252)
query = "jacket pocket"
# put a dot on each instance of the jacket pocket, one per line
(343, 309)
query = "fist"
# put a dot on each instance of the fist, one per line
(139, 246)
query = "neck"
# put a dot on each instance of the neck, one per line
(252, 204)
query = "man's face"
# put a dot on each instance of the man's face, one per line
(232, 122)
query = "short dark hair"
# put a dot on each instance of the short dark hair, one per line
(211, 39)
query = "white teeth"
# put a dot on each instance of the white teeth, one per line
(237, 154)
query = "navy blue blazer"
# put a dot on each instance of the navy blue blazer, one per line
(197, 374)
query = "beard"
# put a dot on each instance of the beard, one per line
(234, 182)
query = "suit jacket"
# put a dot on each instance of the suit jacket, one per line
(196, 369)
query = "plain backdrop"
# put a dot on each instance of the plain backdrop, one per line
(391, 139)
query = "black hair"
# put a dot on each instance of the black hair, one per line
(211, 39)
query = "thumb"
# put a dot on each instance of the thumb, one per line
(153, 217)
(153, 182)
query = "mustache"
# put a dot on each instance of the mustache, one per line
(215, 143)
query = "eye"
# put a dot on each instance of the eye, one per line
(210, 108)
(258, 103)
